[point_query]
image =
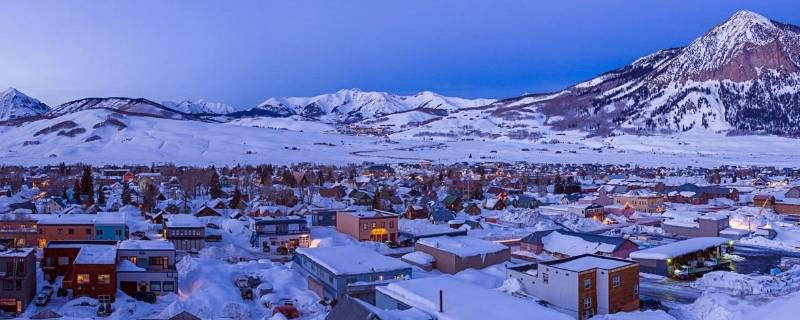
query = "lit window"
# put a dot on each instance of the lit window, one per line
(103, 278)
(83, 278)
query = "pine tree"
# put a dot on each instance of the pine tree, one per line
(87, 185)
(236, 198)
(76, 191)
(126, 194)
(101, 196)
(214, 188)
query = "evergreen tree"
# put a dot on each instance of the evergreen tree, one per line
(76, 191)
(87, 185)
(101, 196)
(236, 198)
(64, 194)
(126, 194)
(214, 188)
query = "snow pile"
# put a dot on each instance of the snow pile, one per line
(740, 284)
(419, 257)
(637, 315)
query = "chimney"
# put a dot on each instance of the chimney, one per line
(441, 301)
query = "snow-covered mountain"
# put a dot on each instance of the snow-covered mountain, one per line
(353, 105)
(200, 106)
(742, 76)
(16, 105)
(138, 106)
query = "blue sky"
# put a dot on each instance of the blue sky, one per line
(242, 52)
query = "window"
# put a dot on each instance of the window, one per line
(383, 224)
(63, 261)
(8, 285)
(545, 277)
(83, 278)
(391, 224)
(60, 231)
(587, 283)
(103, 278)
(118, 232)
(99, 232)
(588, 313)
(168, 286)
(157, 261)
(587, 303)
(155, 285)
(364, 226)
(615, 282)
(374, 225)
(70, 231)
(636, 289)
(88, 231)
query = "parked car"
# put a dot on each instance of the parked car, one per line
(148, 297)
(42, 299)
(104, 309)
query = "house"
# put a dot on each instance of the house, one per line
(584, 285)
(349, 308)
(441, 215)
(703, 226)
(18, 277)
(472, 209)
(110, 226)
(665, 259)
(454, 254)
(562, 243)
(65, 227)
(453, 202)
(445, 297)
(59, 255)
(146, 266)
(360, 198)
(415, 211)
(323, 217)
(378, 170)
(593, 211)
(20, 229)
(642, 200)
(376, 225)
(280, 235)
(185, 231)
(93, 273)
(330, 270)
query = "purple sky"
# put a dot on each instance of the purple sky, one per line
(242, 52)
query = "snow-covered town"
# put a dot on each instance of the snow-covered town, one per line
(399, 241)
(400, 160)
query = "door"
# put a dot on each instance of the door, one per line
(129, 287)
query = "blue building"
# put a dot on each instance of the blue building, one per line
(110, 226)
(335, 271)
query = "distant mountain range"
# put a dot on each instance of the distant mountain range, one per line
(740, 77)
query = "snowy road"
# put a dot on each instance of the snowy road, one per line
(668, 290)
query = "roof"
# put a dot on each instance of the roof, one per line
(352, 260)
(183, 221)
(588, 262)
(146, 245)
(678, 248)
(96, 254)
(462, 246)
(464, 301)
(564, 242)
(16, 253)
(279, 220)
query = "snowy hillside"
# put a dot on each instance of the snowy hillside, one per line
(138, 106)
(17, 105)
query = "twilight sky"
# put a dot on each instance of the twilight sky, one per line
(242, 52)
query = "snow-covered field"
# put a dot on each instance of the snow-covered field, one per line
(87, 136)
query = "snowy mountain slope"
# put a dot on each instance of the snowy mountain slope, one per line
(139, 106)
(742, 76)
(353, 105)
(16, 105)
(200, 106)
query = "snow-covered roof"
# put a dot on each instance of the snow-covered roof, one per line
(588, 262)
(419, 257)
(96, 254)
(17, 252)
(463, 246)
(183, 221)
(678, 248)
(464, 301)
(352, 260)
(146, 245)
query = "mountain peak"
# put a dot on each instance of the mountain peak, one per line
(15, 104)
(746, 16)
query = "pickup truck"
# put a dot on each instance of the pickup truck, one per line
(686, 271)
